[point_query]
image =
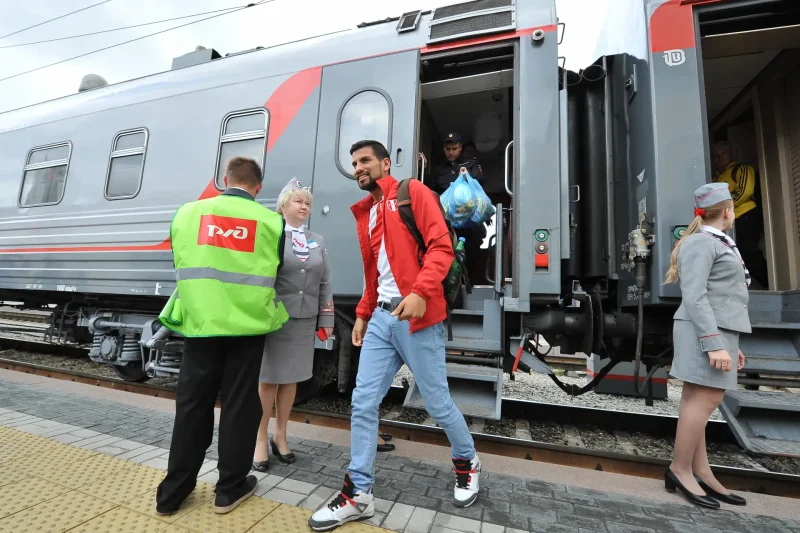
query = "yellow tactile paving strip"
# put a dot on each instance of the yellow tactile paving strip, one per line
(48, 486)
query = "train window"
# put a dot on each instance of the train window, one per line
(126, 164)
(365, 115)
(45, 175)
(244, 133)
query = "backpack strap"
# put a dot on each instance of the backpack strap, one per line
(407, 213)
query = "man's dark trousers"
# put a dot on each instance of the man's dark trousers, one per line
(749, 228)
(209, 365)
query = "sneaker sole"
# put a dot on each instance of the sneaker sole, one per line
(339, 524)
(467, 503)
(234, 505)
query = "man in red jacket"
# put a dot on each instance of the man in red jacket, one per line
(404, 306)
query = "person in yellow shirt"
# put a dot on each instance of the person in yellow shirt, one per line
(741, 180)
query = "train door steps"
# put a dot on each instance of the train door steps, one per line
(764, 422)
(476, 390)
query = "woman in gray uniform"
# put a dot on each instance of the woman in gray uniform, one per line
(305, 287)
(712, 314)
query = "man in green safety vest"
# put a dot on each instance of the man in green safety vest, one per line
(227, 252)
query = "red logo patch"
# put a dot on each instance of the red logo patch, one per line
(238, 234)
(392, 205)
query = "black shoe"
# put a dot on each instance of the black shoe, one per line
(261, 466)
(385, 447)
(732, 499)
(385, 436)
(225, 502)
(671, 483)
(288, 459)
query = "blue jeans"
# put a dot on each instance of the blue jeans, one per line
(387, 345)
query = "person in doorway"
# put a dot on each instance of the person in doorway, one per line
(741, 181)
(305, 288)
(444, 175)
(714, 285)
(227, 252)
(404, 306)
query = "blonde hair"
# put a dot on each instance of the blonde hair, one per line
(712, 213)
(287, 196)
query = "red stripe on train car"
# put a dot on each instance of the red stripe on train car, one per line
(623, 377)
(672, 25)
(287, 100)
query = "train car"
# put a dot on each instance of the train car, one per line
(591, 173)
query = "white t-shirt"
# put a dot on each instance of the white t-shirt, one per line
(387, 286)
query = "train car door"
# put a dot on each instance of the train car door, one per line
(535, 185)
(374, 98)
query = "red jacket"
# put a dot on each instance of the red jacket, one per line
(402, 251)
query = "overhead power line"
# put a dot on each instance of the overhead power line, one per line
(118, 29)
(235, 10)
(56, 18)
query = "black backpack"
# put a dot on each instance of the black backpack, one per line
(457, 277)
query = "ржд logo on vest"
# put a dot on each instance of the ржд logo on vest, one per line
(236, 234)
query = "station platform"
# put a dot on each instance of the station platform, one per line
(75, 457)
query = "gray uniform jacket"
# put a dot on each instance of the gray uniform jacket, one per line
(713, 288)
(306, 287)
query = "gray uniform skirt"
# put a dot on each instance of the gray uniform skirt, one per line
(289, 352)
(691, 364)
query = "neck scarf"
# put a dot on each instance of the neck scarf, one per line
(729, 243)
(299, 243)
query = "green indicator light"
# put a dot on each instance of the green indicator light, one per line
(542, 235)
(679, 231)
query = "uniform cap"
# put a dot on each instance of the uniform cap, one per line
(711, 194)
(452, 138)
(294, 185)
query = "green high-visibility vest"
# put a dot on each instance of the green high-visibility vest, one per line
(226, 260)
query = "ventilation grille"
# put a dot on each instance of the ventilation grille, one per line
(463, 27)
(470, 7)
(408, 21)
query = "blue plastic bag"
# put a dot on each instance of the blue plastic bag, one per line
(465, 203)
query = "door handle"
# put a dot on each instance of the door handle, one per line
(508, 190)
(398, 159)
(422, 175)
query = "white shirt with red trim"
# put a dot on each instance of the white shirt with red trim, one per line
(387, 286)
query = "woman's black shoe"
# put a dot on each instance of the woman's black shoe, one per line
(261, 466)
(671, 483)
(385, 436)
(732, 499)
(385, 447)
(288, 459)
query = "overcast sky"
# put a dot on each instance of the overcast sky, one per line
(272, 23)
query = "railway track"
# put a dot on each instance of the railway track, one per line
(513, 436)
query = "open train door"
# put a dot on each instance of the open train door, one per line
(377, 99)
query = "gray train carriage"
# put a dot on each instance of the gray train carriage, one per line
(591, 173)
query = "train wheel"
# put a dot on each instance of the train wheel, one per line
(131, 372)
(324, 372)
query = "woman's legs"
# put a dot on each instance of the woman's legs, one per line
(697, 404)
(702, 469)
(284, 400)
(266, 391)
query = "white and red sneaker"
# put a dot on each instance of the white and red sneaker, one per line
(346, 507)
(467, 481)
